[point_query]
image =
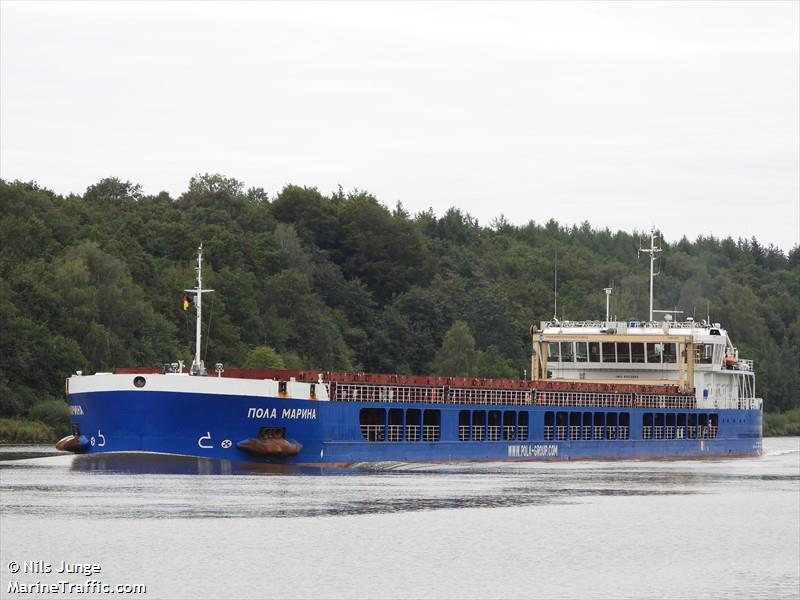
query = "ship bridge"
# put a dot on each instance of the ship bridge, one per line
(699, 357)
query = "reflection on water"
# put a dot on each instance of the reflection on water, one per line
(701, 528)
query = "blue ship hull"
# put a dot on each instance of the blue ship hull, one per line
(331, 433)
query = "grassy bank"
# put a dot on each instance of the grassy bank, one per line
(777, 424)
(25, 431)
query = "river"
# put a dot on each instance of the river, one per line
(191, 528)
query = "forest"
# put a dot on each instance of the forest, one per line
(341, 282)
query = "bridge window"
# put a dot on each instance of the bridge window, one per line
(670, 352)
(581, 352)
(637, 352)
(552, 352)
(594, 351)
(609, 352)
(653, 352)
(624, 352)
(703, 353)
(372, 421)
(567, 355)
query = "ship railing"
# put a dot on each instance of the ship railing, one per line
(463, 433)
(680, 433)
(749, 403)
(574, 432)
(430, 433)
(665, 401)
(357, 392)
(477, 433)
(548, 432)
(658, 432)
(611, 432)
(412, 433)
(522, 432)
(669, 432)
(373, 433)
(493, 433)
(712, 431)
(561, 432)
(587, 432)
(647, 432)
(611, 400)
(490, 396)
(623, 432)
(691, 432)
(598, 432)
(394, 433)
(509, 432)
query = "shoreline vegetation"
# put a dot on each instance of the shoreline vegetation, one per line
(27, 431)
(340, 282)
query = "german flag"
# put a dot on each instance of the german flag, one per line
(187, 302)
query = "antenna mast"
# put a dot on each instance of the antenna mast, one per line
(197, 365)
(555, 288)
(652, 251)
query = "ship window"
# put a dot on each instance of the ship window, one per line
(552, 352)
(549, 425)
(282, 388)
(371, 421)
(522, 426)
(594, 351)
(509, 425)
(653, 352)
(395, 427)
(431, 425)
(463, 425)
(478, 425)
(566, 352)
(624, 352)
(412, 425)
(703, 353)
(670, 353)
(637, 352)
(609, 352)
(581, 352)
(312, 391)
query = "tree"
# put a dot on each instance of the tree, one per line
(263, 357)
(457, 356)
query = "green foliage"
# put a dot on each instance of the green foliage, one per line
(22, 431)
(94, 282)
(53, 413)
(787, 423)
(263, 357)
(457, 356)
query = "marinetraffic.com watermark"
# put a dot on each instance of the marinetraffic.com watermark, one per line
(39, 577)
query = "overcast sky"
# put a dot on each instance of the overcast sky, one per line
(681, 115)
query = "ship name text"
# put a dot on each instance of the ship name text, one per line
(286, 413)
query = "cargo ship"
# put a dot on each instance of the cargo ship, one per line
(598, 390)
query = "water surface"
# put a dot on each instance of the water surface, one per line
(190, 528)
